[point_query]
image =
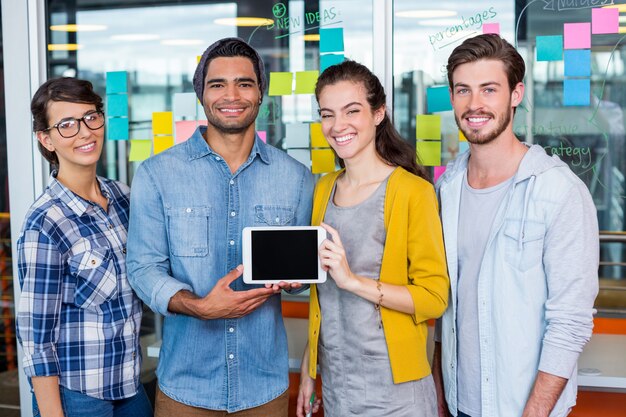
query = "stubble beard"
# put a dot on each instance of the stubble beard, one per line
(474, 136)
(234, 127)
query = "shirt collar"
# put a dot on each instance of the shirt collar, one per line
(198, 148)
(77, 204)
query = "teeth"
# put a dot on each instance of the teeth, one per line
(341, 139)
(232, 110)
(87, 147)
(478, 119)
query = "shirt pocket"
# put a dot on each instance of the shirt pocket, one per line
(530, 254)
(96, 277)
(271, 215)
(188, 230)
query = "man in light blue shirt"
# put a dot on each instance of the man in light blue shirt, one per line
(224, 343)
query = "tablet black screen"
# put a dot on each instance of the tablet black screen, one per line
(284, 254)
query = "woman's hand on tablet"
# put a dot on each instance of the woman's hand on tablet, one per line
(333, 259)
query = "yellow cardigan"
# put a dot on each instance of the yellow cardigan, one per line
(413, 256)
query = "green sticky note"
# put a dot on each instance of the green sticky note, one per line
(429, 153)
(428, 126)
(139, 150)
(117, 128)
(280, 83)
(116, 82)
(117, 105)
(305, 81)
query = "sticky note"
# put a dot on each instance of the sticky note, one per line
(301, 155)
(577, 62)
(429, 153)
(438, 172)
(317, 137)
(297, 135)
(462, 137)
(549, 48)
(576, 92)
(305, 81)
(184, 130)
(280, 83)
(323, 161)
(491, 28)
(117, 128)
(262, 135)
(185, 106)
(139, 150)
(463, 146)
(117, 105)
(116, 82)
(162, 143)
(162, 123)
(328, 60)
(577, 35)
(438, 99)
(604, 20)
(331, 40)
(428, 126)
(315, 109)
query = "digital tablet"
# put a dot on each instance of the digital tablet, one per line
(290, 254)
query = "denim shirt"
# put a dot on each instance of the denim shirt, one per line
(187, 214)
(536, 287)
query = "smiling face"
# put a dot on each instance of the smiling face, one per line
(482, 100)
(348, 121)
(231, 96)
(82, 150)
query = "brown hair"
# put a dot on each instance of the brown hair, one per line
(389, 144)
(488, 46)
(72, 90)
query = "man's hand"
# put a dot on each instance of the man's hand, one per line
(544, 395)
(222, 302)
(282, 285)
(442, 405)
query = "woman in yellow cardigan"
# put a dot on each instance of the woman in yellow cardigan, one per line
(385, 258)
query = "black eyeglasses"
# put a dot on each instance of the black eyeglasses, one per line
(68, 128)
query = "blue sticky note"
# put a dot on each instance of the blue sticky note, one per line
(117, 105)
(327, 60)
(331, 40)
(117, 128)
(117, 82)
(438, 99)
(549, 48)
(576, 92)
(463, 146)
(577, 62)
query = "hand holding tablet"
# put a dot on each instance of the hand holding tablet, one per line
(289, 254)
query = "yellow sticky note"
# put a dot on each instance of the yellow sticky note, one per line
(462, 137)
(305, 81)
(429, 153)
(139, 150)
(198, 58)
(162, 143)
(323, 161)
(162, 123)
(280, 83)
(428, 126)
(317, 137)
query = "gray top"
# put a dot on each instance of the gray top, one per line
(353, 357)
(477, 211)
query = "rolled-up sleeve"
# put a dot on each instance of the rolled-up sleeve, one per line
(40, 269)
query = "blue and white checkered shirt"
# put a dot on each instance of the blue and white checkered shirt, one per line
(78, 317)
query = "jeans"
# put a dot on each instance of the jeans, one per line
(461, 414)
(76, 404)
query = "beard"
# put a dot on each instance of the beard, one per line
(232, 126)
(474, 136)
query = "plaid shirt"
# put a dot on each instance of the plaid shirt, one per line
(78, 317)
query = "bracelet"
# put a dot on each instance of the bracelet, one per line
(377, 306)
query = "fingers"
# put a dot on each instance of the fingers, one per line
(333, 233)
(232, 275)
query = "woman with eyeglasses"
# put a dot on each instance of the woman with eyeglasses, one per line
(78, 319)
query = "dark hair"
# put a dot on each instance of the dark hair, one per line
(228, 47)
(488, 46)
(389, 144)
(67, 89)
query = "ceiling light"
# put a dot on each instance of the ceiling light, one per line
(244, 21)
(182, 42)
(311, 37)
(439, 22)
(64, 46)
(135, 37)
(78, 28)
(426, 14)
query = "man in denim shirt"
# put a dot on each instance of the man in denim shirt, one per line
(224, 345)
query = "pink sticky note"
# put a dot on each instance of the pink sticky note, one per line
(439, 171)
(604, 20)
(262, 135)
(577, 36)
(184, 130)
(491, 28)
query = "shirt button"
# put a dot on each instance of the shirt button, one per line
(110, 226)
(232, 182)
(93, 261)
(277, 219)
(217, 158)
(232, 243)
(124, 250)
(233, 214)
(231, 356)
(188, 210)
(232, 329)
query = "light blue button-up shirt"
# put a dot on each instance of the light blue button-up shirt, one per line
(187, 214)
